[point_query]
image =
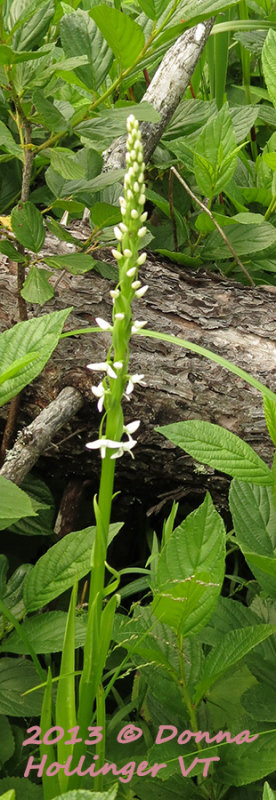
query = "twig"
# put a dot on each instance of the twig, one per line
(172, 211)
(34, 439)
(217, 226)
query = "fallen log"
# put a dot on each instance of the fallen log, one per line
(233, 321)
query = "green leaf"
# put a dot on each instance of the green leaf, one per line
(46, 633)
(268, 794)
(36, 287)
(243, 118)
(14, 503)
(37, 336)
(123, 35)
(7, 740)
(81, 794)
(9, 250)
(80, 35)
(27, 225)
(257, 239)
(44, 504)
(153, 8)
(260, 702)
(49, 750)
(270, 159)
(55, 572)
(210, 444)
(12, 596)
(58, 230)
(215, 160)
(190, 571)
(269, 64)
(270, 417)
(22, 787)
(66, 691)
(103, 214)
(17, 676)
(231, 649)
(10, 56)
(63, 161)
(32, 23)
(75, 263)
(10, 795)
(254, 520)
(50, 116)
(7, 140)
(239, 766)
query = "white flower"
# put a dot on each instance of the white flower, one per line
(142, 291)
(134, 213)
(110, 371)
(131, 427)
(142, 258)
(117, 254)
(132, 380)
(118, 233)
(119, 315)
(131, 271)
(127, 253)
(141, 232)
(99, 391)
(136, 285)
(142, 199)
(103, 324)
(138, 324)
(136, 187)
(102, 445)
(98, 366)
(123, 227)
(143, 216)
(114, 293)
(118, 364)
(125, 447)
(129, 194)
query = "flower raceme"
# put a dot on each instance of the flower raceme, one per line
(117, 382)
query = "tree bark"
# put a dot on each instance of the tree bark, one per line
(236, 322)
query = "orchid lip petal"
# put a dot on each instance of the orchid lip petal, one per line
(103, 324)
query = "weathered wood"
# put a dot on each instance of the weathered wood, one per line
(236, 322)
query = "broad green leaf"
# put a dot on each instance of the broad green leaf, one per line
(50, 116)
(213, 445)
(80, 35)
(10, 56)
(254, 519)
(63, 162)
(260, 702)
(58, 230)
(232, 648)
(103, 214)
(75, 263)
(39, 335)
(21, 788)
(14, 503)
(153, 8)
(7, 140)
(27, 225)
(7, 740)
(17, 675)
(44, 504)
(270, 417)
(239, 766)
(123, 35)
(56, 570)
(164, 206)
(9, 250)
(243, 118)
(190, 571)
(81, 794)
(46, 633)
(268, 794)
(257, 238)
(205, 9)
(269, 64)
(214, 159)
(270, 159)
(32, 24)
(36, 288)
(10, 795)
(12, 596)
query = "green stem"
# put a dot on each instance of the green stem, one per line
(185, 692)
